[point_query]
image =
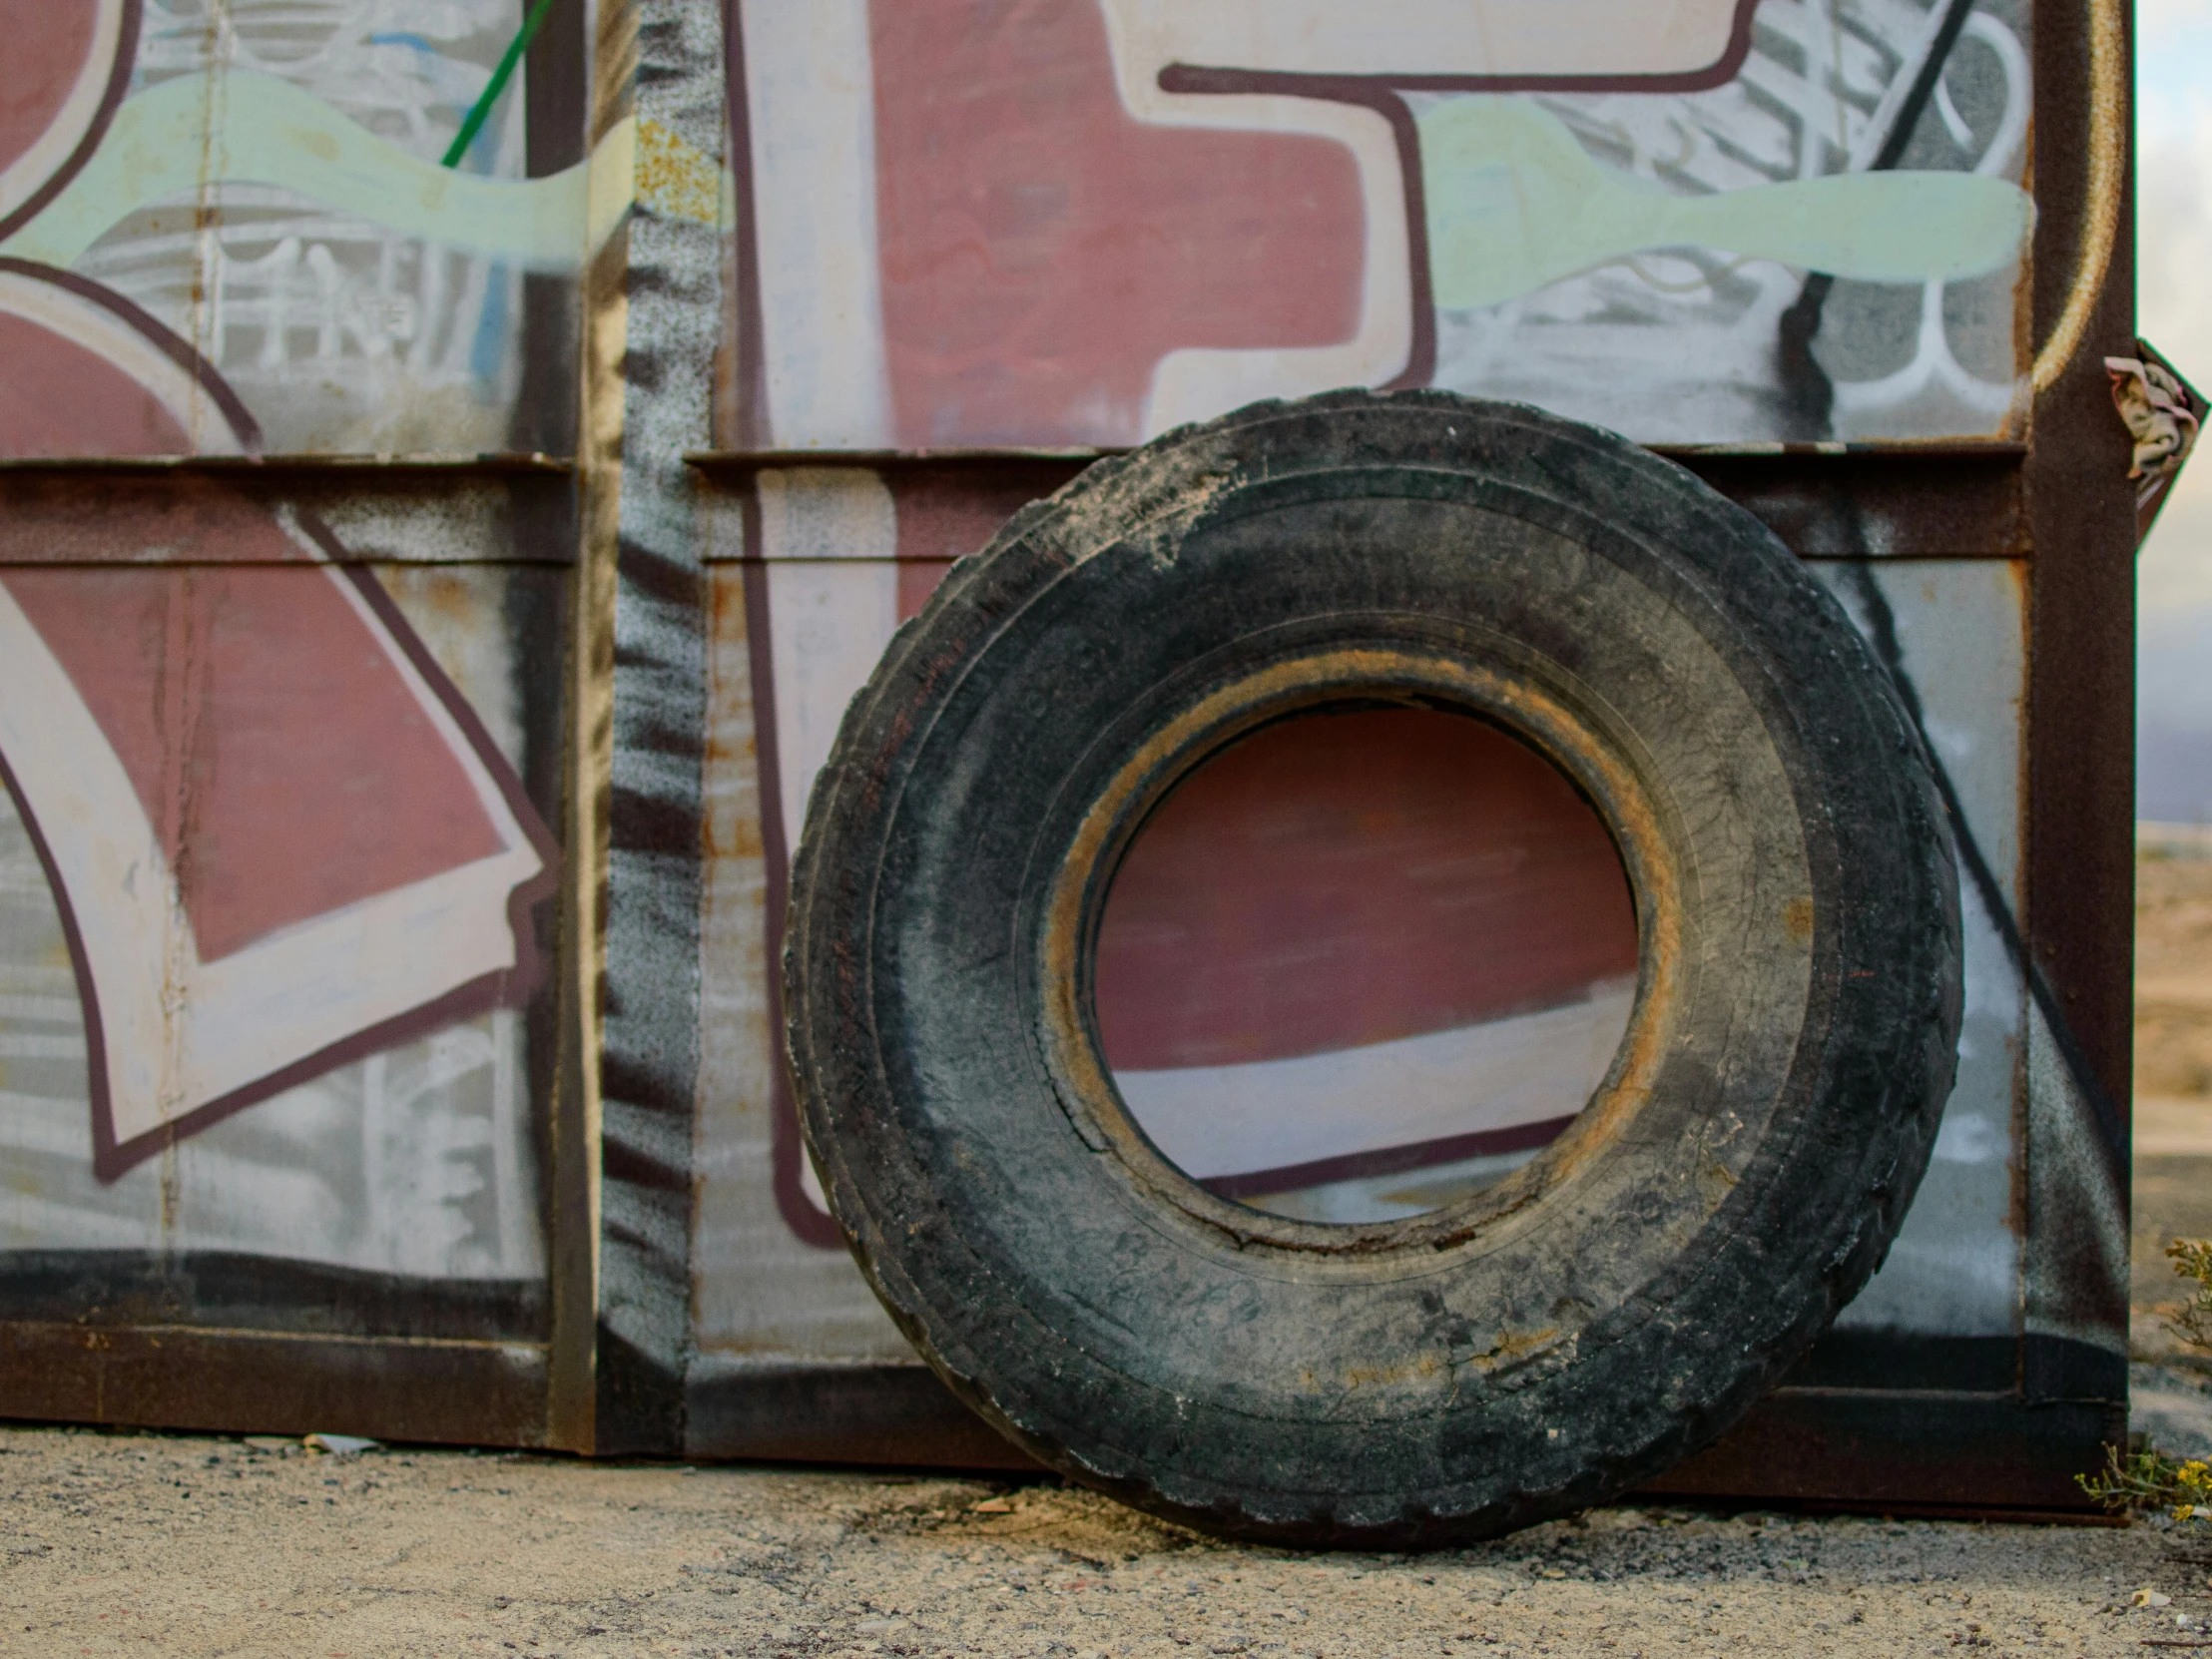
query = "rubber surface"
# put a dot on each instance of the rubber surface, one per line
(1613, 1305)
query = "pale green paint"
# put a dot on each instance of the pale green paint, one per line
(1514, 204)
(270, 132)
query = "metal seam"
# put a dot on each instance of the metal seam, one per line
(2106, 181)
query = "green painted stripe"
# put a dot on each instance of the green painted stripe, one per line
(497, 85)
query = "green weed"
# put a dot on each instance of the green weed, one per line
(2143, 1478)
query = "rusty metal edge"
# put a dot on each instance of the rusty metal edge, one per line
(526, 461)
(1866, 1448)
(2078, 820)
(1845, 1450)
(572, 1379)
(1906, 501)
(257, 1381)
(752, 460)
(887, 1414)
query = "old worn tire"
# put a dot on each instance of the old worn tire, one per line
(1613, 1305)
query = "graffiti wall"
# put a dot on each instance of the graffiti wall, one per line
(982, 223)
(427, 424)
(1354, 970)
(279, 737)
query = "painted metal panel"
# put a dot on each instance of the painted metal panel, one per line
(1959, 633)
(384, 1186)
(1086, 223)
(227, 232)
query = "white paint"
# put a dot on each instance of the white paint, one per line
(1214, 1121)
(179, 1034)
(1434, 37)
(1971, 1140)
(828, 535)
(1197, 383)
(810, 96)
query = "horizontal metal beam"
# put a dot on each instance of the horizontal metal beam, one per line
(1824, 502)
(263, 465)
(260, 1382)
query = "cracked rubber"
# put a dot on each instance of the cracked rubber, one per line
(1615, 1304)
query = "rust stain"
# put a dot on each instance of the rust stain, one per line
(673, 179)
(2102, 191)
(171, 1190)
(1715, 1181)
(316, 143)
(731, 826)
(2024, 307)
(1410, 1370)
(207, 212)
(188, 760)
(1509, 1350)
(1797, 921)
(447, 595)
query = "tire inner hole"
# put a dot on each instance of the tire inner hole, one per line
(1364, 962)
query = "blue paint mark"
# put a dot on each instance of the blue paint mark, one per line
(488, 350)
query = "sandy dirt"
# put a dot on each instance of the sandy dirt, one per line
(120, 1543)
(2173, 1088)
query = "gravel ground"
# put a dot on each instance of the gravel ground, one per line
(189, 1545)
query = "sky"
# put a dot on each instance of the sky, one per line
(2173, 115)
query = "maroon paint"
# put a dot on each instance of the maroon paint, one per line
(63, 399)
(742, 405)
(1421, 353)
(1042, 249)
(1343, 879)
(47, 47)
(285, 765)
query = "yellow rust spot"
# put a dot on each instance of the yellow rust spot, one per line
(1367, 1377)
(315, 142)
(1797, 921)
(1506, 1350)
(1715, 1181)
(674, 179)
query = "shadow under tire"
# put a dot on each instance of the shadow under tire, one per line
(1605, 1310)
